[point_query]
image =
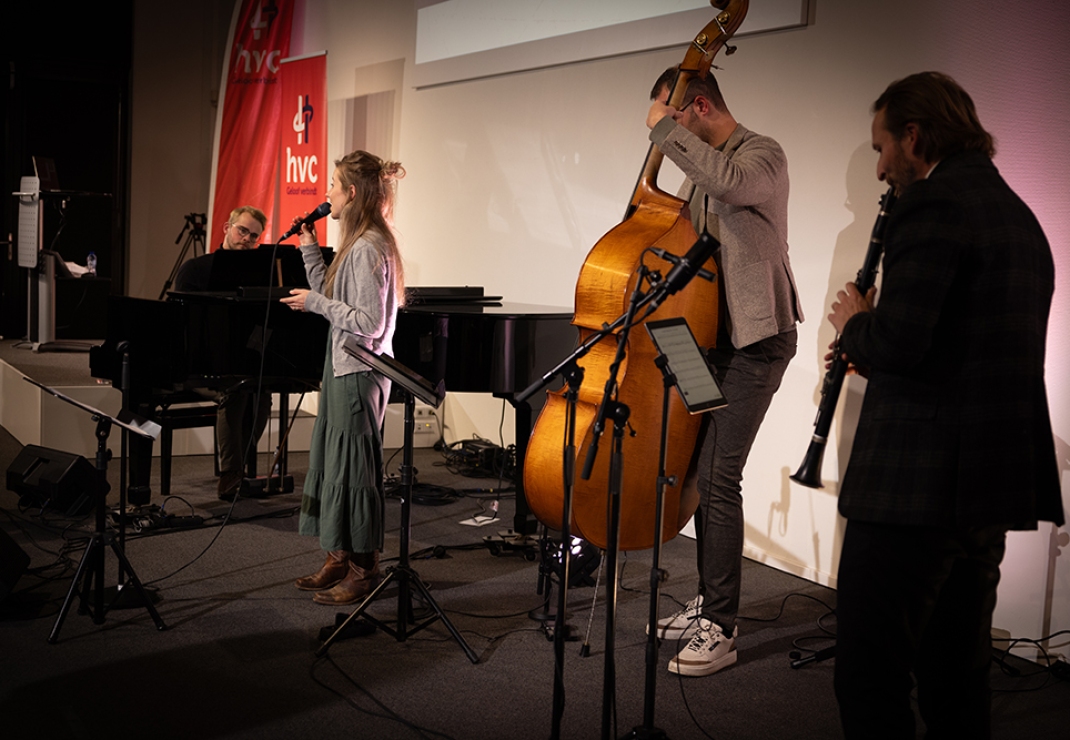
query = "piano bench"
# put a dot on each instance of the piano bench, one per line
(183, 417)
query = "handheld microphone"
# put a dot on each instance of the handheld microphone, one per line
(686, 267)
(321, 210)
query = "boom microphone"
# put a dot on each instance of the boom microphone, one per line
(686, 267)
(321, 210)
(670, 257)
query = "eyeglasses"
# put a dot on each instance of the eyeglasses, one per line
(681, 110)
(244, 233)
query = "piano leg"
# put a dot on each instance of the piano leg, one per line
(139, 464)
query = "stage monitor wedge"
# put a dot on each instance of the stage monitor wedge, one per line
(53, 479)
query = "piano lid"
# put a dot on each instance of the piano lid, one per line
(430, 295)
(497, 348)
(495, 310)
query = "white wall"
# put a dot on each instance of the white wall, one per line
(512, 179)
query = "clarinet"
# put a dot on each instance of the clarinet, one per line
(809, 473)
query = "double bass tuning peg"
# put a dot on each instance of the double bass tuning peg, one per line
(729, 50)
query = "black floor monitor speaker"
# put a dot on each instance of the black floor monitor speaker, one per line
(13, 563)
(53, 479)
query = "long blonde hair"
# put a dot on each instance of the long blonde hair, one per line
(374, 181)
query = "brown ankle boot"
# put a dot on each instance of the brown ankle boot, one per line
(334, 570)
(361, 580)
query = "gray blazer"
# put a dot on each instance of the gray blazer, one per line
(747, 211)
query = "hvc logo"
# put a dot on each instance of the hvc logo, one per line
(302, 119)
(259, 24)
(301, 168)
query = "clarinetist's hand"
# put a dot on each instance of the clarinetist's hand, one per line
(852, 369)
(849, 302)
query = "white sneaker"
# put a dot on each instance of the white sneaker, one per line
(681, 623)
(709, 651)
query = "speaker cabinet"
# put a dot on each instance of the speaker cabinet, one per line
(53, 479)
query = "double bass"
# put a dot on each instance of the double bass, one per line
(606, 281)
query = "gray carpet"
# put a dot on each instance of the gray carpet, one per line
(237, 659)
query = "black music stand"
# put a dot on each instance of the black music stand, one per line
(92, 563)
(682, 365)
(414, 386)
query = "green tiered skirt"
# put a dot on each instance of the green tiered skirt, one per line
(343, 498)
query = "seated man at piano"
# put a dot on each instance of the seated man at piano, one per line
(242, 416)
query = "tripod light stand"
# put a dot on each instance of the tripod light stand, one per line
(195, 223)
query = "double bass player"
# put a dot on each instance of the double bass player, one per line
(737, 187)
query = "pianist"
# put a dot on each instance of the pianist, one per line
(242, 416)
(343, 498)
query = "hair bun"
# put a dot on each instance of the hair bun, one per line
(392, 170)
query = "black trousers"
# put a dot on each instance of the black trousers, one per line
(916, 600)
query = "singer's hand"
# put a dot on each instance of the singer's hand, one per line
(296, 301)
(307, 235)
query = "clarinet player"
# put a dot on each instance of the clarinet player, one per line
(954, 445)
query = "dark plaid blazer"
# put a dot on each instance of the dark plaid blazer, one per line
(954, 429)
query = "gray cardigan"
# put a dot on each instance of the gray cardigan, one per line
(364, 303)
(748, 213)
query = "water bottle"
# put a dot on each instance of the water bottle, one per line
(91, 264)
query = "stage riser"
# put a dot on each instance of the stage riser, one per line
(35, 417)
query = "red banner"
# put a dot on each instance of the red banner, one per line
(253, 117)
(303, 163)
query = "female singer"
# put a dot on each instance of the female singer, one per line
(359, 294)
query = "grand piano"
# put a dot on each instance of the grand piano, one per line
(195, 342)
(479, 345)
(219, 341)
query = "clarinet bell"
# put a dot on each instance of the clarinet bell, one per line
(809, 473)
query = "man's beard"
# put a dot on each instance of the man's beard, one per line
(904, 172)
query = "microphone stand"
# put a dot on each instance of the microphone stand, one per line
(574, 377)
(619, 413)
(124, 389)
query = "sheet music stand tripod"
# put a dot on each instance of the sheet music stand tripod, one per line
(91, 567)
(414, 386)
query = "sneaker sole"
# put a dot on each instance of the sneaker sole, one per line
(702, 669)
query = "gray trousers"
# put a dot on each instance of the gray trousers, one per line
(239, 424)
(748, 377)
